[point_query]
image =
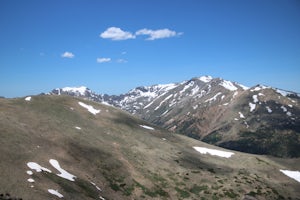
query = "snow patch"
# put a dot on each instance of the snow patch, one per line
(247, 125)
(90, 108)
(168, 97)
(214, 152)
(105, 103)
(205, 79)
(186, 87)
(195, 106)
(30, 180)
(63, 173)
(269, 109)
(165, 112)
(29, 172)
(282, 92)
(56, 193)
(194, 90)
(27, 98)
(228, 85)
(37, 167)
(283, 108)
(243, 87)
(94, 184)
(289, 114)
(214, 98)
(292, 174)
(241, 115)
(252, 106)
(255, 99)
(147, 127)
(77, 127)
(258, 88)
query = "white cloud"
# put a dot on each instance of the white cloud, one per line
(67, 55)
(103, 60)
(158, 34)
(116, 33)
(121, 60)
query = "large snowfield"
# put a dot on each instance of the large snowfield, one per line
(214, 152)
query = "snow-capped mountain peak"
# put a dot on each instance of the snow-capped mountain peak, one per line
(210, 109)
(205, 79)
(80, 90)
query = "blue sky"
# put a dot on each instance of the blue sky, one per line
(112, 46)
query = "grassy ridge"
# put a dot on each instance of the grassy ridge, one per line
(125, 160)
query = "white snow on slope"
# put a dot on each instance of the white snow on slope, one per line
(107, 104)
(158, 91)
(187, 87)
(29, 172)
(147, 127)
(63, 173)
(214, 97)
(27, 98)
(164, 113)
(283, 108)
(292, 174)
(90, 108)
(168, 97)
(241, 115)
(30, 180)
(94, 184)
(228, 85)
(252, 106)
(282, 92)
(56, 193)
(77, 127)
(255, 99)
(258, 88)
(243, 87)
(214, 152)
(269, 109)
(81, 90)
(37, 167)
(194, 90)
(205, 79)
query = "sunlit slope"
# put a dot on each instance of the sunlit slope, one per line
(56, 147)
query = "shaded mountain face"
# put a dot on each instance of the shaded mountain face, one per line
(61, 147)
(260, 120)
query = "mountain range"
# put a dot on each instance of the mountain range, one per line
(258, 119)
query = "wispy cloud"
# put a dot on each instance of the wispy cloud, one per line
(67, 55)
(103, 60)
(115, 33)
(157, 34)
(121, 60)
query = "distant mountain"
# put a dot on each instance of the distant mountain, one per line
(63, 147)
(260, 119)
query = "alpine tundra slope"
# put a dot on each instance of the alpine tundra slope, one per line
(63, 147)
